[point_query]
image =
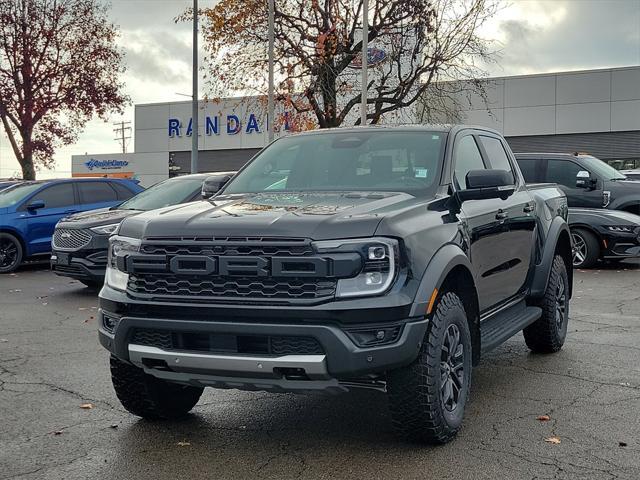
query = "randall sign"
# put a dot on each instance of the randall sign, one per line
(213, 125)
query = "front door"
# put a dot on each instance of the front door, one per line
(59, 201)
(564, 173)
(485, 224)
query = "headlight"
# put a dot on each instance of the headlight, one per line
(621, 228)
(105, 229)
(379, 255)
(119, 247)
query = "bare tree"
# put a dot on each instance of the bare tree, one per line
(58, 67)
(415, 44)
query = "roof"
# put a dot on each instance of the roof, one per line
(566, 156)
(444, 128)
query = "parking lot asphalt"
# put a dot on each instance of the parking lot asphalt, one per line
(51, 365)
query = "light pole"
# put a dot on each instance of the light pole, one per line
(365, 61)
(271, 107)
(194, 100)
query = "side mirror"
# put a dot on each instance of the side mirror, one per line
(585, 180)
(213, 185)
(483, 184)
(36, 205)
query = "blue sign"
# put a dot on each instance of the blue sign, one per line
(106, 164)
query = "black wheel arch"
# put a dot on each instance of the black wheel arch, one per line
(558, 242)
(450, 271)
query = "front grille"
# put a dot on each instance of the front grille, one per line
(71, 269)
(257, 248)
(161, 285)
(227, 343)
(70, 239)
(226, 287)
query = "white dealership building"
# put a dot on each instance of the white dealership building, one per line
(596, 111)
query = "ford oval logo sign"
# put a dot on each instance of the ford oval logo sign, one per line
(375, 56)
(65, 235)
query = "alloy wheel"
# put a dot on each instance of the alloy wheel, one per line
(451, 368)
(8, 253)
(580, 250)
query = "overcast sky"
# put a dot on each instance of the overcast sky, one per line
(533, 36)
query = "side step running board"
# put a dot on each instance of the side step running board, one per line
(505, 324)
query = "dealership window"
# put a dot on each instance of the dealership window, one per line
(56, 196)
(96, 192)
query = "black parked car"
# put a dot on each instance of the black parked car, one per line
(587, 181)
(600, 234)
(80, 241)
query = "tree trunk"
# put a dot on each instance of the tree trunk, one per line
(28, 171)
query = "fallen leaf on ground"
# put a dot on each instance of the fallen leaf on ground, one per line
(544, 418)
(622, 444)
(113, 425)
(87, 406)
(184, 444)
(3, 340)
(554, 440)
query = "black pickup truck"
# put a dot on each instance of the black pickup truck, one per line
(387, 258)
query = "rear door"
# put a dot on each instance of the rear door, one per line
(518, 211)
(59, 200)
(486, 230)
(96, 194)
(564, 173)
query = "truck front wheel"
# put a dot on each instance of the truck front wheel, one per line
(427, 398)
(149, 397)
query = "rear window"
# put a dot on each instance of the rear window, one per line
(529, 169)
(96, 192)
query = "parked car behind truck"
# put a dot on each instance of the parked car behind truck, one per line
(587, 181)
(385, 258)
(29, 212)
(80, 241)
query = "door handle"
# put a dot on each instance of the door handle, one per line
(501, 215)
(528, 208)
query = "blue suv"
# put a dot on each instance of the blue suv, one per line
(29, 212)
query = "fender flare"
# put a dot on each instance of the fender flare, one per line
(445, 259)
(543, 269)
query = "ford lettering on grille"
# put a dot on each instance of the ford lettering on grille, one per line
(338, 265)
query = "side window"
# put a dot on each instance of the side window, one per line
(56, 196)
(96, 192)
(123, 192)
(530, 169)
(562, 172)
(466, 157)
(497, 155)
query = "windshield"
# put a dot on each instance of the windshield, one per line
(602, 169)
(346, 161)
(14, 195)
(170, 192)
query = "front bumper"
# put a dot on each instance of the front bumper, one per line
(623, 245)
(341, 364)
(87, 263)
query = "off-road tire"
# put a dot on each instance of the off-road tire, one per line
(149, 397)
(13, 247)
(548, 333)
(590, 245)
(415, 394)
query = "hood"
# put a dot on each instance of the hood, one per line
(314, 215)
(627, 185)
(601, 216)
(96, 218)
